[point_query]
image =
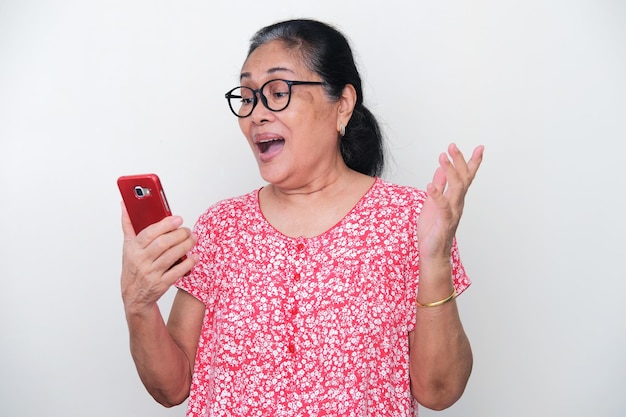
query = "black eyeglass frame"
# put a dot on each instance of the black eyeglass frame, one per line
(259, 93)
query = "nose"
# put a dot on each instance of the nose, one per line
(260, 112)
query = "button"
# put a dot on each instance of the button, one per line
(295, 311)
(296, 276)
(300, 247)
(291, 348)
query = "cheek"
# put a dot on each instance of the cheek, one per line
(324, 119)
(326, 113)
(244, 126)
(316, 106)
(317, 116)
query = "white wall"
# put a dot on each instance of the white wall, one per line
(93, 90)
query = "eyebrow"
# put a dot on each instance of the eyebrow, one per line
(269, 71)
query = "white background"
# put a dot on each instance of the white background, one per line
(90, 90)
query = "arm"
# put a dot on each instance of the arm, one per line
(163, 355)
(440, 353)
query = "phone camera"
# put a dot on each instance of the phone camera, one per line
(141, 192)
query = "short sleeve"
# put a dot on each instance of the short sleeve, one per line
(459, 277)
(196, 282)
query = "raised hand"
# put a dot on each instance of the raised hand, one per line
(443, 208)
(147, 271)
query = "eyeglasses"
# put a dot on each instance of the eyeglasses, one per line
(275, 96)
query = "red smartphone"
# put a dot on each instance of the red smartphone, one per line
(145, 201)
(144, 198)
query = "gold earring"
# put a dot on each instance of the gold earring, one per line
(342, 130)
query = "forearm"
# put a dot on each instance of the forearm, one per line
(440, 352)
(162, 365)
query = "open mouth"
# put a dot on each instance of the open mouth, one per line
(271, 146)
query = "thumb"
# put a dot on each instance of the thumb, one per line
(127, 226)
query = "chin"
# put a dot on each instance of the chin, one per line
(270, 175)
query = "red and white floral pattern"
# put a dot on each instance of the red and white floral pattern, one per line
(308, 326)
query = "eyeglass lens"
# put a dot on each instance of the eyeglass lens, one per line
(274, 95)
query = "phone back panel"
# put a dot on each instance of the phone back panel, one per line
(144, 198)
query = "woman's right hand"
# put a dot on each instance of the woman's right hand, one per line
(147, 271)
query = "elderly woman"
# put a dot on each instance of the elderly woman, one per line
(301, 298)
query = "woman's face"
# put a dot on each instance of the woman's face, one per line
(298, 145)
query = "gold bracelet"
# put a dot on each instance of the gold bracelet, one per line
(438, 303)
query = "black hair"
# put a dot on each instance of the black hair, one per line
(327, 52)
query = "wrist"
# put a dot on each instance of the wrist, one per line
(437, 303)
(435, 282)
(140, 312)
(435, 272)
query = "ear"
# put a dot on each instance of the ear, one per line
(347, 101)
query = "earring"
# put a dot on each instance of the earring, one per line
(342, 130)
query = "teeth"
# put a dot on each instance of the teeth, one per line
(264, 145)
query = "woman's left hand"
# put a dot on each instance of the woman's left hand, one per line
(443, 207)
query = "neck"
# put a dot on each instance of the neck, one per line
(328, 186)
(311, 210)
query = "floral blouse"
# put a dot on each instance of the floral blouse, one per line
(308, 326)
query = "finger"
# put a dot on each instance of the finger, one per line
(178, 260)
(178, 270)
(168, 248)
(147, 236)
(457, 157)
(436, 195)
(454, 180)
(475, 161)
(456, 173)
(127, 227)
(439, 179)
